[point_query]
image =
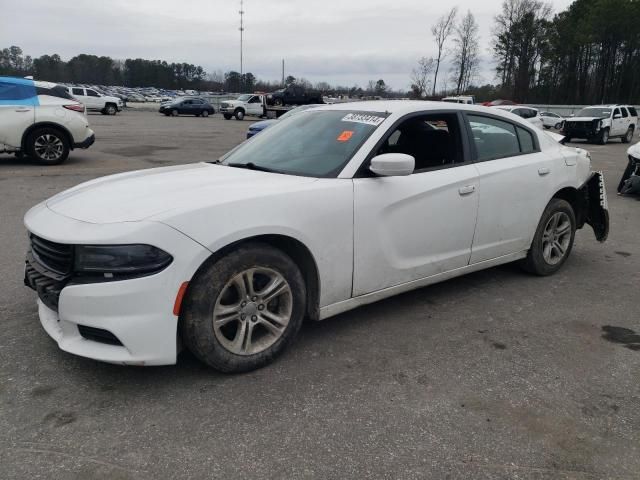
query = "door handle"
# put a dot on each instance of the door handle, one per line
(466, 190)
(23, 109)
(544, 171)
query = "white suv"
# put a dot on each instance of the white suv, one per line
(96, 101)
(41, 120)
(599, 123)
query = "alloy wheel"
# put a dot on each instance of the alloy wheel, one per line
(556, 238)
(49, 147)
(252, 311)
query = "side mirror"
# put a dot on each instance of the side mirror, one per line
(617, 116)
(393, 165)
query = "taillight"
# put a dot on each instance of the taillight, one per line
(76, 107)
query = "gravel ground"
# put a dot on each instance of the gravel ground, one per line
(496, 375)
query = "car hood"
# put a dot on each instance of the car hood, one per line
(634, 150)
(143, 194)
(583, 119)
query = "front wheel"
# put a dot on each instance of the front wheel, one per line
(243, 310)
(110, 109)
(48, 146)
(227, 116)
(174, 113)
(604, 137)
(553, 240)
(239, 114)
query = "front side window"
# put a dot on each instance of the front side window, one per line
(616, 112)
(316, 143)
(433, 140)
(494, 138)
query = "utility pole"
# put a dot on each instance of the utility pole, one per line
(241, 34)
(283, 85)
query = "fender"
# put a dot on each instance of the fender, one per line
(57, 126)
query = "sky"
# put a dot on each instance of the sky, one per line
(337, 41)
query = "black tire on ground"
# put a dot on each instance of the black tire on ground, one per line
(603, 139)
(48, 146)
(205, 291)
(546, 127)
(110, 109)
(567, 139)
(535, 262)
(278, 102)
(239, 114)
(227, 116)
(627, 136)
(558, 126)
(174, 113)
(205, 113)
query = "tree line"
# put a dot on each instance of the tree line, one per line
(586, 54)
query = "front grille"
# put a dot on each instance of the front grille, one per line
(57, 257)
(98, 335)
(42, 281)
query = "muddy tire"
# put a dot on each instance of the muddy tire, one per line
(553, 240)
(244, 309)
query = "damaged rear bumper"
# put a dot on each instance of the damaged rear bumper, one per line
(595, 208)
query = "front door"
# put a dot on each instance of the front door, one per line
(413, 227)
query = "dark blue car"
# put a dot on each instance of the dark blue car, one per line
(257, 127)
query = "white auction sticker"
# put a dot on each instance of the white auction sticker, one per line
(363, 118)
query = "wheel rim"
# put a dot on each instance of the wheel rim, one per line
(252, 311)
(556, 238)
(629, 135)
(49, 147)
(205, 114)
(111, 110)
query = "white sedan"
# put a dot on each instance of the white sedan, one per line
(551, 120)
(333, 208)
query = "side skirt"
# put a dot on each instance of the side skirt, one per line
(346, 305)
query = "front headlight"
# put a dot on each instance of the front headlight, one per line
(117, 262)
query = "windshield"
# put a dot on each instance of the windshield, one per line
(299, 109)
(594, 112)
(314, 143)
(244, 98)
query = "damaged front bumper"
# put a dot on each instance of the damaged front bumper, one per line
(595, 207)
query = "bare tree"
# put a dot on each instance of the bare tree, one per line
(465, 63)
(441, 31)
(420, 76)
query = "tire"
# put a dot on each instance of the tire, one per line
(553, 240)
(546, 127)
(558, 126)
(567, 139)
(166, 114)
(224, 344)
(278, 102)
(628, 136)
(110, 109)
(174, 113)
(205, 113)
(49, 146)
(227, 116)
(604, 137)
(239, 114)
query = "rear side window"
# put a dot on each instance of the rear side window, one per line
(15, 92)
(91, 93)
(78, 91)
(494, 138)
(633, 112)
(625, 114)
(56, 91)
(527, 144)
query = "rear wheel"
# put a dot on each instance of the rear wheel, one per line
(553, 240)
(48, 146)
(243, 310)
(628, 136)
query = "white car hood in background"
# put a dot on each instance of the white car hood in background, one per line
(583, 119)
(634, 150)
(136, 196)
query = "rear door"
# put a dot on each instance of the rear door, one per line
(18, 101)
(516, 181)
(94, 100)
(618, 124)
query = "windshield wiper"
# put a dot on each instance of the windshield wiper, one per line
(252, 166)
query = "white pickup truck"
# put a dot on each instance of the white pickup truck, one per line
(95, 101)
(248, 104)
